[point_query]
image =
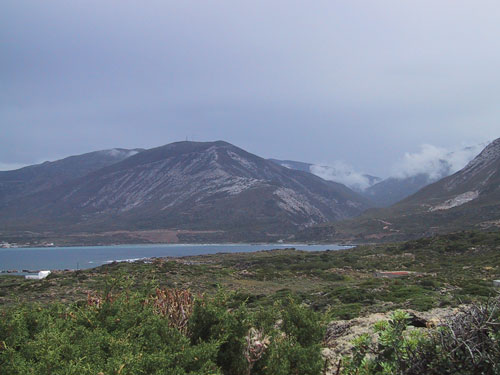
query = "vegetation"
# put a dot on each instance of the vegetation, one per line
(447, 270)
(169, 331)
(467, 344)
(172, 316)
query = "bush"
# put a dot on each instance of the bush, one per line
(165, 332)
(467, 344)
(213, 322)
(295, 343)
(123, 335)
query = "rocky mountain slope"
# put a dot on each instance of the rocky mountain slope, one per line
(380, 192)
(419, 170)
(36, 178)
(468, 199)
(479, 180)
(410, 174)
(188, 186)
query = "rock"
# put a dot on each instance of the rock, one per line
(417, 321)
(340, 333)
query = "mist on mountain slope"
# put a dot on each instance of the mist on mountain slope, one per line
(343, 173)
(431, 161)
(435, 162)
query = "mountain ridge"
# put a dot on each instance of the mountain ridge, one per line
(412, 173)
(467, 199)
(38, 177)
(188, 185)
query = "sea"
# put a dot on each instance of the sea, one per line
(34, 259)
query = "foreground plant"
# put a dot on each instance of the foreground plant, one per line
(468, 343)
(165, 332)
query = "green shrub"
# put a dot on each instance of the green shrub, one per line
(468, 344)
(345, 311)
(213, 322)
(295, 343)
(478, 289)
(353, 295)
(123, 336)
(147, 333)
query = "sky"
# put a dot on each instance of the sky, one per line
(363, 83)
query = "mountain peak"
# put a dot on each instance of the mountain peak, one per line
(479, 170)
(490, 154)
(192, 186)
(195, 145)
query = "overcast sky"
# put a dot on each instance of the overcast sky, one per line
(360, 82)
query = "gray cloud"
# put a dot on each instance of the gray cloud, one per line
(359, 81)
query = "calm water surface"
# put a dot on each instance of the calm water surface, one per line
(60, 258)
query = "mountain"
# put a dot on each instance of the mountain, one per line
(392, 190)
(35, 178)
(478, 182)
(380, 192)
(199, 186)
(410, 173)
(418, 170)
(339, 173)
(468, 199)
(297, 165)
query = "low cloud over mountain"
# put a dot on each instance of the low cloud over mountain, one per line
(407, 175)
(465, 200)
(435, 162)
(345, 174)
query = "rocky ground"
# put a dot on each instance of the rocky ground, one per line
(341, 333)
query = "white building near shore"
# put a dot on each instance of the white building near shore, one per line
(41, 275)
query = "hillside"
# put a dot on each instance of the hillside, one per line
(35, 178)
(468, 199)
(392, 190)
(197, 186)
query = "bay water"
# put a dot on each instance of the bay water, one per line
(23, 260)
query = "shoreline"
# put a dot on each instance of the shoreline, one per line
(30, 259)
(188, 244)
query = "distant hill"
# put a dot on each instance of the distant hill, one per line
(468, 199)
(476, 184)
(380, 192)
(407, 180)
(36, 178)
(353, 180)
(412, 178)
(392, 190)
(188, 186)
